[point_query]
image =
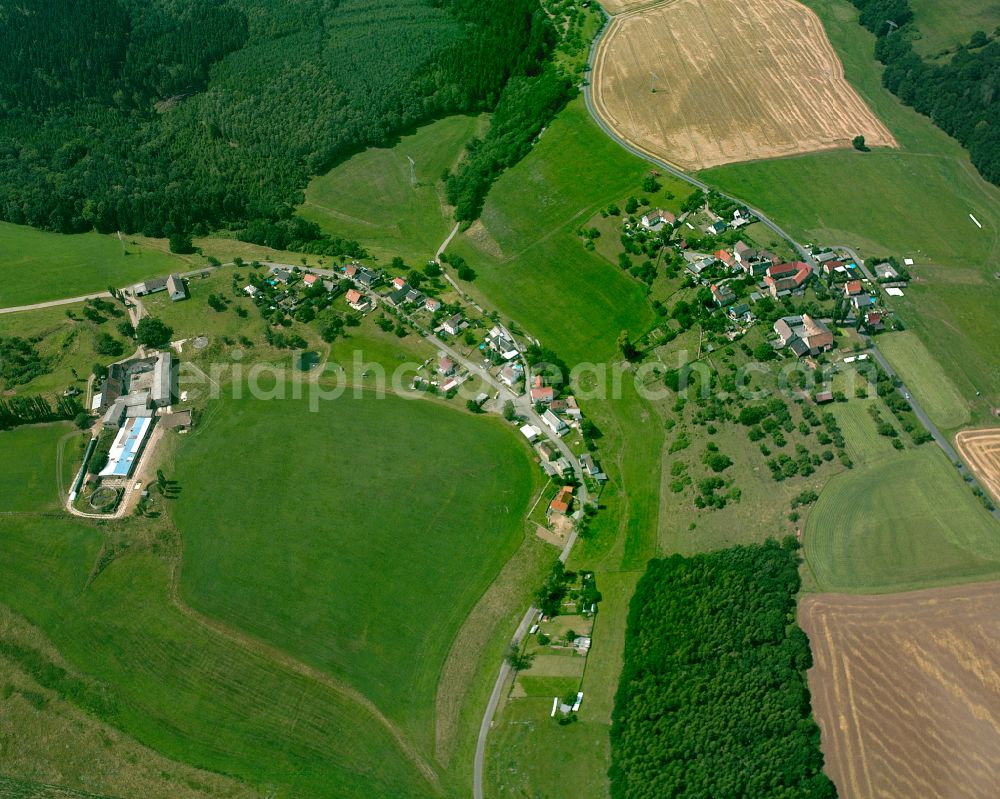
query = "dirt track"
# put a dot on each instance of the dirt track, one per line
(906, 690)
(980, 449)
(734, 82)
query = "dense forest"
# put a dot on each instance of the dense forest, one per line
(159, 116)
(712, 699)
(960, 95)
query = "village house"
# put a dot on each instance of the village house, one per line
(446, 367)
(655, 220)
(541, 393)
(357, 300)
(852, 287)
(510, 375)
(825, 256)
(310, 280)
(250, 291)
(548, 451)
(563, 501)
(723, 295)
(830, 268)
(874, 320)
(803, 335)
(744, 253)
(501, 342)
(554, 423)
(453, 325)
(172, 284)
(862, 301)
(572, 409)
(397, 298)
(433, 305)
(716, 228)
(740, 313)
(366, 278)
(399, 283)
(782, 278)
(698, 262)
(726, 257)
(591, 468)
(414, 296)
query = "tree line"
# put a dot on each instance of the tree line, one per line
(712, 699)
(957, 95)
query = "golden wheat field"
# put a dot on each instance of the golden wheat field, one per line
(906, 691)
(980, 449)
(733, 82)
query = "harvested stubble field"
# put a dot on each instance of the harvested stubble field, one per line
(734, 82)
(906, 690)
(980, 449)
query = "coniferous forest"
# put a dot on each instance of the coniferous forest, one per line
(165, 116)
(712, 699)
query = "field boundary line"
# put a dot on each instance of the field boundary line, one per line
(262, 649)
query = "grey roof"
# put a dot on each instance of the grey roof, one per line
(162, 379)
(175, 285)
(798, 346)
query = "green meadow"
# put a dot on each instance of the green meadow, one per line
(38, 266)
(371, 198)
(945, 25)
(357, 538)
(924, 376)
(900, 523)
(912, 202)
(32, 466)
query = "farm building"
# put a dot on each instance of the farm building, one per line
(127, 447)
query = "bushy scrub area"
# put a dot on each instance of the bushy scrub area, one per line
(712, 699)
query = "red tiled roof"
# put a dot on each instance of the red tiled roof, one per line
(353, 295)
(780, 270)
(852, 287)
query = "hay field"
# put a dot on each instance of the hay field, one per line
(734, 82)
(980, 449)
(906, 691)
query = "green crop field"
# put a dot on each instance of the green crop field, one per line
(944, 25)
(38, 266)
(901, 523)
(358, 537)
(912, 202)
(31, 468)
(924, 376)
(370, 196)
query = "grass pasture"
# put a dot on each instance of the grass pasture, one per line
(38, 266)
(943, 26)
(31, 468)
(403, 514)
(177, 685)
(898, 524)
(788, 97)
(533, 267)
(924, 376)
(370, 197)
